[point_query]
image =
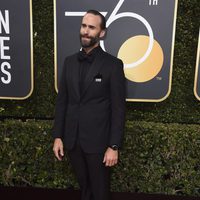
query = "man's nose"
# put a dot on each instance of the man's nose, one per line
(86, 30)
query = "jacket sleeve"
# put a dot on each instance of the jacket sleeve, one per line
(61, 106)
(118, 99)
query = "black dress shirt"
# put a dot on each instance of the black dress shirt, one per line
(86, 61)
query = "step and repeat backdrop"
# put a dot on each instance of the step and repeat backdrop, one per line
(16, 50)
(137, 34)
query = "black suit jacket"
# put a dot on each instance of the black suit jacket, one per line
(97, 116)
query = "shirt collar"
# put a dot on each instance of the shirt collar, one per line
(83, 56)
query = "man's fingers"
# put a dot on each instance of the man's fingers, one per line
(58, 153)
(111, 162)
(104, 159)
(110, 157)
(58, 149)
(61, 151)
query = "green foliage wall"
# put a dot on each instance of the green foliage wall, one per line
(156, 158)
(161, 147)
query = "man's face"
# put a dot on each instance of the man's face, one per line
(90, 32)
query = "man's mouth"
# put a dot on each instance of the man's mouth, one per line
(85, 37)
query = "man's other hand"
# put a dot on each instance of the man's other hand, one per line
(110, 157)
(58, 148)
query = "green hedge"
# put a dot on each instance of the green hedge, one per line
(156, 158)
(27, 158)
(181, 106)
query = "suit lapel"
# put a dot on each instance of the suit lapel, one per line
(75, 76)
(94, 69)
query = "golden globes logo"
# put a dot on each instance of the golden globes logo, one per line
(197, 73)
(16, 56)
(136, 34)
(4, 49)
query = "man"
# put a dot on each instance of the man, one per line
(90, 110)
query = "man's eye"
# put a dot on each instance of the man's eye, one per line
(92, 27)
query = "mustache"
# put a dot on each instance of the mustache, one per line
(86, 36)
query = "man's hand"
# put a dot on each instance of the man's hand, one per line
(110, 157)
(58, 148)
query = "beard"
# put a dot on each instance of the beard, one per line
(90, 42)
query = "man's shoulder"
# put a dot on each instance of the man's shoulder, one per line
(112, 58)
(71, 57)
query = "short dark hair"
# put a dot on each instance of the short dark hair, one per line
(103, 19)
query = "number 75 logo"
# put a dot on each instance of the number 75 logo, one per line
(140, 32)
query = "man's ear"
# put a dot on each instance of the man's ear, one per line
(102, 34)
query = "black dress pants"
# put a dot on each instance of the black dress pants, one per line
(93, 177)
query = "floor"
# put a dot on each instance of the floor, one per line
(29, 193)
